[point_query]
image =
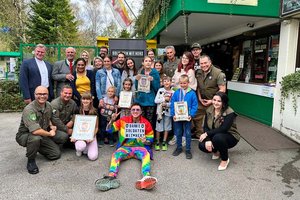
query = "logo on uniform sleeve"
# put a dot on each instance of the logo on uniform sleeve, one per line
(54, 111)
(224, 79)
(32, 116)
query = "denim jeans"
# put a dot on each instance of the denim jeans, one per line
(183, 128)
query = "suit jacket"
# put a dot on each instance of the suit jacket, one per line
(60, 70)
(30, 78)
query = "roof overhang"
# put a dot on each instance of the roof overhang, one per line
(206, 28)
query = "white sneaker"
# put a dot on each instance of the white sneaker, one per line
(78, 153)
(183, 141)
(172, 141)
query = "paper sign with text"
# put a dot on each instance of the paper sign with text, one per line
(134, 130)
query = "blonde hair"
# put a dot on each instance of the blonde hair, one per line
(85, 51)
(112, 87)
(184, 77)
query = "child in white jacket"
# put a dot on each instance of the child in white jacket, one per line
(164, 120)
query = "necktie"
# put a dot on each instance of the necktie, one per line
(71, 67)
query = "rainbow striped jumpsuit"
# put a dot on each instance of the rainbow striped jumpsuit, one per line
(130, 147)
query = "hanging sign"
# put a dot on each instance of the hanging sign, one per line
(235, 2)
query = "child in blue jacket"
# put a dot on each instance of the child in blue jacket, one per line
(184, 94)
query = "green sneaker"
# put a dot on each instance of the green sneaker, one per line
(157, 147)
(164, 146)
(107, 183)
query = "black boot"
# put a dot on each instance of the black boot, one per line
(32, 167)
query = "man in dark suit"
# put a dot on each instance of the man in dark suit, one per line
(35, 72)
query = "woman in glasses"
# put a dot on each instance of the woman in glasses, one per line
(131, 145)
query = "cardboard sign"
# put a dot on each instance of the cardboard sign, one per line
(134, 130)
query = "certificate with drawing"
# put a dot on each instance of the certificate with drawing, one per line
(125, 99)
(181, 111)
(144, 84)
(84, 127)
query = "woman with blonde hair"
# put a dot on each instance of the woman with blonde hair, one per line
(86, 56)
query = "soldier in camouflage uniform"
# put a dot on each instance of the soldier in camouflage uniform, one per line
(38, 130)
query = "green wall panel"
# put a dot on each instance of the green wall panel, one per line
(265, 8)
(255, 107)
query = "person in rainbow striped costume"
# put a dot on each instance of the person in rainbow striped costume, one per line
(127, 147)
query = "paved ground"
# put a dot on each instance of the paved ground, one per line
(252, 174)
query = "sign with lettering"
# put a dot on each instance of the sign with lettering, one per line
(129, 53)
(289, 7)
(236, 2)
(134, 130)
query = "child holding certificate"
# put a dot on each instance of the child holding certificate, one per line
(184, 105)
(88, 147)
(108, 106)
(147, 83)
(126, 97)
(164, 119)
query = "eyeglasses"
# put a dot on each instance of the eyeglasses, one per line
(135, 110)
(41, 94)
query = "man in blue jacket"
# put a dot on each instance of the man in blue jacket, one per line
(36, 72)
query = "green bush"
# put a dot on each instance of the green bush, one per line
(10, 97)
(290, 86)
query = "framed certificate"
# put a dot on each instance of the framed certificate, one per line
(84, 127)
(125, 99)
(134, 130)
(144, 84)
(181, 111)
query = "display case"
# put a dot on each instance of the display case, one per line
(260, 66)
(273, 59)
(260, 57)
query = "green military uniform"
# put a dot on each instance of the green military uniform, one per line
(35, 117)
(213, 123)
(208, 86)
(171, 67)
(64, 111)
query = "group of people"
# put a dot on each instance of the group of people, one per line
(185, 97)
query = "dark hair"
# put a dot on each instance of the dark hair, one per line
(136, 104)
(224, 99)
(66, 87)
(80, 59)
(104, 47)
(162, 67)
(122, 53)
(191, 63)
(127, 68)
(108, 56)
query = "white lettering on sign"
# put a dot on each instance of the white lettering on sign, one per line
(134, 130)
(131, 53)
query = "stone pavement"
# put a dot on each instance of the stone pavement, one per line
(252, 174)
